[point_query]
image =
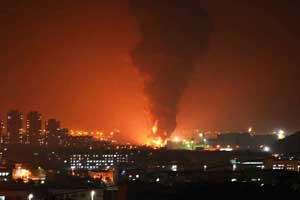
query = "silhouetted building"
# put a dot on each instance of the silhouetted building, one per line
(14, 127)
(34, 128)
(53, 133)
(98, 161)
(291, 164)
(2, 136)
(64, 134)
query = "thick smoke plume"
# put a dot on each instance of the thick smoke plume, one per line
(175, 34)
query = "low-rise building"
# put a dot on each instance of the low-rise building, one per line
(282, 164)
(97, 161)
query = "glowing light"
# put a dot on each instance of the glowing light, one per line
(201, 135)
(92, 194)
(30, 196)
(266, 149)
(250, 129)
(226, 149)
(280, 134)
(176, 139)
(233, 167)
(154, 127)
(174, 168)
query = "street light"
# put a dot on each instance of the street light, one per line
(30, 196)
(92, 194)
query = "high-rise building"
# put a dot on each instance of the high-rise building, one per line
(2, 137)
(53, 137)
(14, 127)
(34, 128)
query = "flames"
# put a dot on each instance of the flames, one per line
(154, 140)
(154, 128)
(157, 142)
(21, 173)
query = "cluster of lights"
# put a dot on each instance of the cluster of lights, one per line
(96, 161)
(133, 177)
(4, 173)
(174, 168)
(189, 144)
(96, 134)
(282, 166)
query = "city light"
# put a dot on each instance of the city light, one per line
(250, 129)
(281, 134)
(174, 168)
(92, 194)
(233, 167)
(226, 149)
(30, 196)
(266, 149)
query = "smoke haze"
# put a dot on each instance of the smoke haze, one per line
(175, 34)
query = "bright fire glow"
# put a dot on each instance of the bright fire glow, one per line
(96, 134)
(176, 139)
(156, 142)
(21, 173)
(154, 128)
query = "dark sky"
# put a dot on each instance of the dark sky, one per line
(71, 60)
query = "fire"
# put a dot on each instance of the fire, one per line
(21, 173)
(154, 128)
(176, 139)
(154, 140)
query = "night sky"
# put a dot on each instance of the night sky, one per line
(71, 60)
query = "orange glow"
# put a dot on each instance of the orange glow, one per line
(156, 142)
(154, 128)
(21, 173)
(176, 139)
(106, 177)
(96, 134)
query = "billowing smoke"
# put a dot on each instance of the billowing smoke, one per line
(175, 34)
